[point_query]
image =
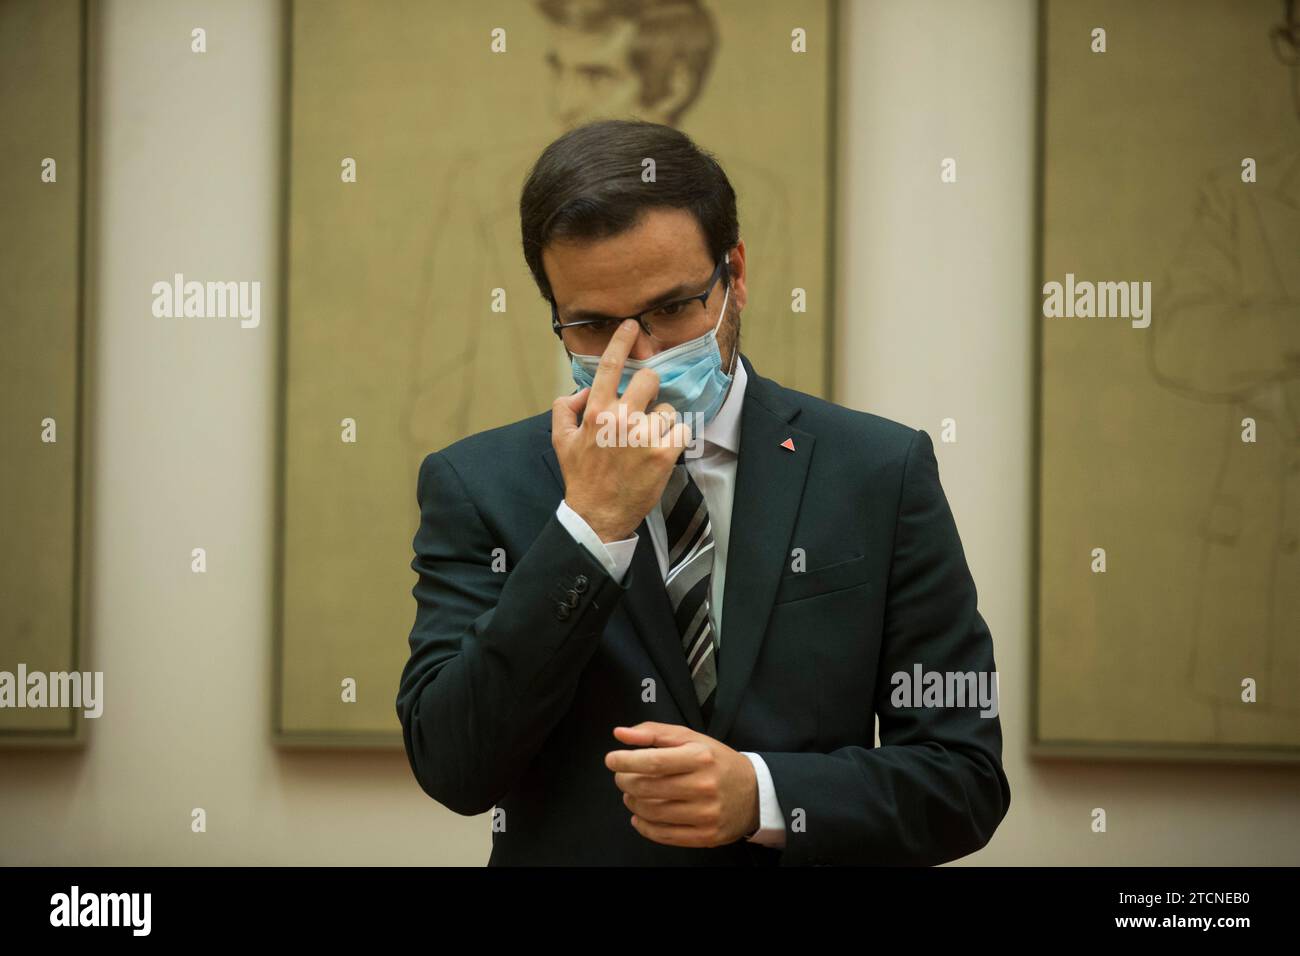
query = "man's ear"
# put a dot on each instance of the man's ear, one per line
(736, 274)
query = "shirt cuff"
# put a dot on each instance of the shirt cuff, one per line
(616, 556)
(771, 825)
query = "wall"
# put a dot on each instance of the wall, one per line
(935, 312)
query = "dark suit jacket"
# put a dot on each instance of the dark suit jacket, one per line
(510, 695)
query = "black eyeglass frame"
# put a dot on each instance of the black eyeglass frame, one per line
(720, 270)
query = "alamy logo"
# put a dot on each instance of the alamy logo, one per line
(102, 909)
(1102, 300)
(946, 689)
(55, 689)
(625, 428)
(208, 300)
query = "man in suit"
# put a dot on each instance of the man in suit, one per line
(571, 666)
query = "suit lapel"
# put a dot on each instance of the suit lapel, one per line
(769, 486)
(647, 604)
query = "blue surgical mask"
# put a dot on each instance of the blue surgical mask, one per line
(691, 378)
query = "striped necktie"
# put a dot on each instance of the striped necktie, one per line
(690, 569)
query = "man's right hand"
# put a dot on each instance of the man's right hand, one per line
(613, 484)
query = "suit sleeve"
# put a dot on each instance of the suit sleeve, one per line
(495, 653)
(934, 790)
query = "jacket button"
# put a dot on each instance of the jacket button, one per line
(580, 583)
(562, 611)
(573, 599)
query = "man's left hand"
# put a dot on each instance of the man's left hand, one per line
(684, 788)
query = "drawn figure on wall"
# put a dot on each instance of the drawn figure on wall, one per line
(1230, 337)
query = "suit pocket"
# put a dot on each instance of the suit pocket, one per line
(834, 577)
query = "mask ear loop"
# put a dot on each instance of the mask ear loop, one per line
(735, 349)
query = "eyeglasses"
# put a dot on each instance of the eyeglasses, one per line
(667, 324)
(1286, 43)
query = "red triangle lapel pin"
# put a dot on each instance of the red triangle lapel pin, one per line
(788, 444)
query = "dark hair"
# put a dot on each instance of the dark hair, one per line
(667, 33)
(587, 185)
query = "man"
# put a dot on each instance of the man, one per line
(571, 663)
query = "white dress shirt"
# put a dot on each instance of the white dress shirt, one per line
(714, 471)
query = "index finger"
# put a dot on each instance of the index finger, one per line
(654, 761)
(604, 386)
